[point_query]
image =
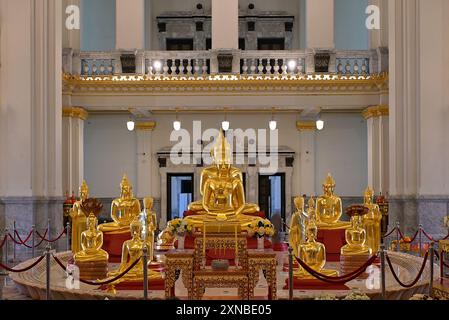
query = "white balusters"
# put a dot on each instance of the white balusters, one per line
(245, 66)
(204, 68)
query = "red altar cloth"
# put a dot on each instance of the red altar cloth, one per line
(333, 240)
(112, 244)
(314, 284)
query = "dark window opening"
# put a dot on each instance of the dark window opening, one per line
(179, 194)
(179, 44)
(271, 44)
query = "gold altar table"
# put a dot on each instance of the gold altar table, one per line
(178, 262)
(220, 279)
(265, 261)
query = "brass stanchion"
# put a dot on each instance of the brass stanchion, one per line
(290, 273)
(145, 272)
(432, 254)
(33, 240)
(398, 237)
(48, 271)
(382, 272)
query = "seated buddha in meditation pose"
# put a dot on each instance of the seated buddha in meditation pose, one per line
(356, 238)
(123, 210)
(149, 222)
(131, 251)
(296, 234)
(372, 221)
(213, 172)
(223, 195)
(91, 243)
(329, 208)
(313, 253)
(79, 218)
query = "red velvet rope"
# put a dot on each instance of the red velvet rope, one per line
(403, 237)
(54, 240)
(432, 239)
(417, 277)
(341, 279)
(4, 241)
(26, 240)
(102, 282)
(441, 260)
(389, 233)
(2, 266)
(26, 245)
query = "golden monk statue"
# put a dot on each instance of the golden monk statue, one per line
(79, 219)
(296, 234)
(224, 196)
(356, 238)
(149, 220)
(313, 253)
(123, 210)
(131, 251)
(329, 207)
(372, 221)
(91, 243)
(213, 172)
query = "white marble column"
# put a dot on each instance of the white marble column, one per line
(320, 24)
(73, 148)
(144, 132)
(377, 133)
(225, 24)
(31, 112)
(130, 24)
(307, 134)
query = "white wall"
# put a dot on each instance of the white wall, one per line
(341, 149)
(109, 152)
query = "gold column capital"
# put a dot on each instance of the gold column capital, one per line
(146, 125)
(376, 111)
(305, 125)
(75, 112)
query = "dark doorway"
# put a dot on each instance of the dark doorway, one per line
(179, 44)
(272, 194)
(270, 44)
(179, 194)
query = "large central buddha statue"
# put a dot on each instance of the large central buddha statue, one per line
(223, 194)
(329, 208)
(123, 210)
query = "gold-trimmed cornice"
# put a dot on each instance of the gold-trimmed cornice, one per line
(305, 125)
(75, 112)
(145, 125)
(224, 85)
(375, 111)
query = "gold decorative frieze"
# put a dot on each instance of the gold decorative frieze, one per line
(74, 112)
(305, 125)
(224, 85)
(145, 125)
(375, 111)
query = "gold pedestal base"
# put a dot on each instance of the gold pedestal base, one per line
(93, 270)
(350, 263)
(301, 274)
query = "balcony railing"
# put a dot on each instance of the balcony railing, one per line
(245, 63)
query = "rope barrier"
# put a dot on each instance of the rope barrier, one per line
(54, 240)
(341, 279)
(20, 239)
(2, 266)
(26, 245)
(403, 237)
(432, 239)
(441, 260)
(4, 241)
(417, 277)
(101, 282)
(389, 233)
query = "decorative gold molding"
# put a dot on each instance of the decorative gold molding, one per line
(146, 125)
(375, 111)
(305, 125)
(75, 112)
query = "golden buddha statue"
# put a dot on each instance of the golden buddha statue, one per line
(149, 220)
(372, 221)
(91, 243)
(123, 210)
(356, 238)
(131, 251)
(313, 253)
(218, 154)
(329, 208)
(224, 196)
(296, 234)
(79, 219)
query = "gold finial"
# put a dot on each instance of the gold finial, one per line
(299, 203)
(329, 181)
(311, 203)
(125, 181)
(369, 192)
(222, 150)
(84, 187)
(148, 203)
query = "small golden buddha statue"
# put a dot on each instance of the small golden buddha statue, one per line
(224, 196)
(312, 252)
(131, 251)
(296, 234)
(91, 243)
(329, 207)
(356, 238)
(218, 153)
(149, 221)
(79, 218)
(123, 210)
(372, 221)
